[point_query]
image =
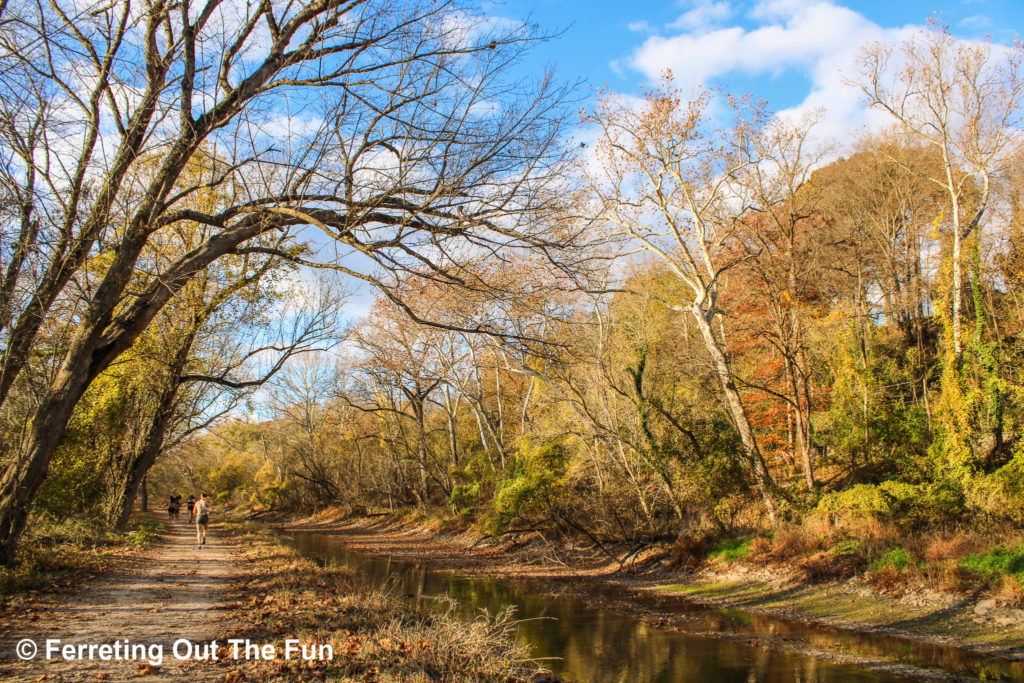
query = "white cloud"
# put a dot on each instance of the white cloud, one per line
(977, 22)
(816, 38)
(704, 15)
(767, 10)
(812, 34)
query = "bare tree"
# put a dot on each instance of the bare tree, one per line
(964, 100)
(386, 131)
(220, 357)
(663, 186)
(782, 232)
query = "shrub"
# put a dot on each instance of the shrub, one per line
(895, 558)
(464, 498)
(1001, 493)
(688, 552)
(911, 505)
(145, 534)
(849, 547)
(731, 549)
(535, 477)
(998, 562)
(862, 500)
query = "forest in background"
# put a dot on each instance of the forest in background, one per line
(692, 333)
(884, 436)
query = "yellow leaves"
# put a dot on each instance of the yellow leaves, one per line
(935, 224)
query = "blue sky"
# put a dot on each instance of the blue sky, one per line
(789, 52)
(792, 53)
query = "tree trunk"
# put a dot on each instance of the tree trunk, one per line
(99, 339)
(762, 477)
(141, 462)
(153, 443)
(20, 482)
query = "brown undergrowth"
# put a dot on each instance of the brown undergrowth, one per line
(374, 634)
(57, 555)
(883, 555)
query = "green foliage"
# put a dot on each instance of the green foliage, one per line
(997, 562)
(465, 497)
(475, 482)
(233, 474)
(57, 548)
(913, 505)
(890, 430)
(731, 549)
(1001, 493)
(74, 530)
(974, 394)
(895, 558)
(145, 534)
(862, 500)
(533, 480)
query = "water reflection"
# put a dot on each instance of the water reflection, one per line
(584, 643)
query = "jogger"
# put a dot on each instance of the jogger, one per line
(202, 510)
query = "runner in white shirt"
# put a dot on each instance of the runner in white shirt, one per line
(202, 510)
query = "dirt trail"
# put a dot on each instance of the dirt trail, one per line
(172, 590)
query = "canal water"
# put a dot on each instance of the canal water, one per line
(582, 642)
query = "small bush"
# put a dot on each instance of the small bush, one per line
(848, 547)
(536, 476)
(828, 566)
(957, 579)
(145, 534)
(464, 498)
(731, 549)
(896, 558)
(996, 563)
(791, 542)
(760, 547)
(688, 552)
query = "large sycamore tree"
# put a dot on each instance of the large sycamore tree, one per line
(664, 183)
(385, 135)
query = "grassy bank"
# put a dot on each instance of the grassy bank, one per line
(56, 554)
(957, 584)
(375, 635)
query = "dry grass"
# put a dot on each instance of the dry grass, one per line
(951, 546)
(688, 552)
(792, 541)
(375, 634)
(892, 559)
(55, 555)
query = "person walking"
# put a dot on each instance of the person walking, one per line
(202, 511)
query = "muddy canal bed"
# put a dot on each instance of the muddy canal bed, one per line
(578, 639)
